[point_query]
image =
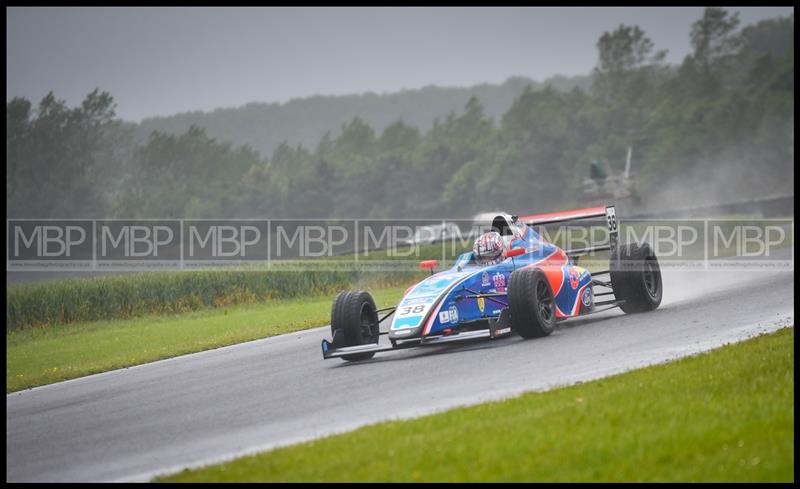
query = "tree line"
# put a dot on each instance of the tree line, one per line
(724, 114)
(264, 126)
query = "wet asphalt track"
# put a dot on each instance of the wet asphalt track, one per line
(138, 422)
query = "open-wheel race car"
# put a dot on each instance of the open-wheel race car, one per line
(527, 288)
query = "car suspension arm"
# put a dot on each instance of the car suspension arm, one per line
(491, 297)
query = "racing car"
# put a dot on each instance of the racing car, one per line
(527, 289)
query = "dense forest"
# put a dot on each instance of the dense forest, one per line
(718, 125)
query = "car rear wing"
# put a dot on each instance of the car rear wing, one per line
(608, 212)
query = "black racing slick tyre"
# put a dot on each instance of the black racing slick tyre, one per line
(354, 321)
(530, 302)
(636, 278)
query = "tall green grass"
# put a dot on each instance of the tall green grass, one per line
(127, 296)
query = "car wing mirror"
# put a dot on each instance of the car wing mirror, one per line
(515, 252)
(429, 265)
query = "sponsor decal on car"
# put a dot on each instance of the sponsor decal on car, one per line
(407, 322)
(574, 278)
(481, 304)
(418, 300)
(453, 314)
(444, 317)
(485, 279)
(499, 282)
(587, 297)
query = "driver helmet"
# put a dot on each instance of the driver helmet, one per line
(488, 246)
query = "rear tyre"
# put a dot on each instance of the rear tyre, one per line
(354, 321)
(636, 278)
(531, 304)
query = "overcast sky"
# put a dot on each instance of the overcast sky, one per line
(159, 61)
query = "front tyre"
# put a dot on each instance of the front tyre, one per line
(530, 302)
(636, 278)
(354, 321)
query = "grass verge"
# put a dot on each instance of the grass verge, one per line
(142, 294)
(38, 356)
(725, 415)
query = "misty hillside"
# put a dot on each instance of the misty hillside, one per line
(718, 127)
(264, 126)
